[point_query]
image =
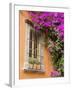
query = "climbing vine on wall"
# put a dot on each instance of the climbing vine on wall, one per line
(51, 26)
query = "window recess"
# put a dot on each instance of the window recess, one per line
(33, 51)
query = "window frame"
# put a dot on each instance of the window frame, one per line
(40, 57)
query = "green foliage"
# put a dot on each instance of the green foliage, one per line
(56, 48)
(37, 62)
(31, 61)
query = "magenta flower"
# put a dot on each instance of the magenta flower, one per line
(55, 74)
(45, 20)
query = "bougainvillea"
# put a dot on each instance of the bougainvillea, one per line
(45, 20)
(51, 24)
(55, 74)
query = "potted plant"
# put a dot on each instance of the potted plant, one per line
(38, 64)
(35, 65)
(31, 63)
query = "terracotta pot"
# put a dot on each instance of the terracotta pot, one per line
(38, 66)
(31, 66)
(34, 66)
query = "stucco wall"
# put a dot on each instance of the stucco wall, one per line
(47, 58)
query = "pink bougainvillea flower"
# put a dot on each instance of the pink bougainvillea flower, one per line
(55, 74)
(47, 19)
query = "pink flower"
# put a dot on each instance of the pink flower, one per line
(55, 74)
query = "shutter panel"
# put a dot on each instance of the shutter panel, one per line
(27, 34)
(39, 56)
(42, 56)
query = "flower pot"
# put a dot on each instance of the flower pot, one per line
(38, 66)
(31, 66)
(34, 66)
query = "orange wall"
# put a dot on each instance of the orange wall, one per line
(47, 59)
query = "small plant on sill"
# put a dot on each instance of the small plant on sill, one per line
(31, 63)
(38, 64)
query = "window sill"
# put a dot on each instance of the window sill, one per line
(34, 70)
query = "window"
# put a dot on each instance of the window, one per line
(30, 44)
(33, 51)
(33, 44)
